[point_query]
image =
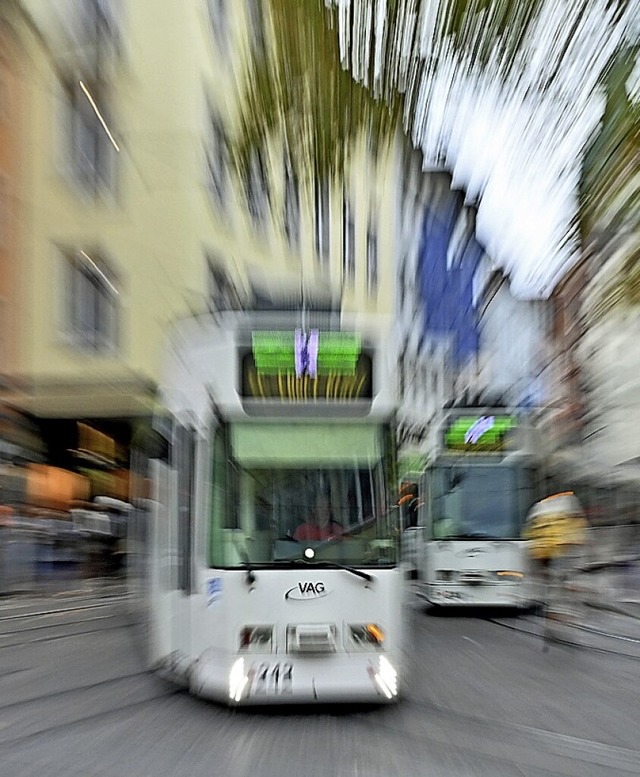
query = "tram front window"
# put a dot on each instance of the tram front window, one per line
(294, 488)
(478, 502)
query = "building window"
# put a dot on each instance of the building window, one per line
(291, 204)
(348, 241)
(217, 162)
(90, 152)
(322, 220)
(256, 21)
(257, 192)
(4, 99)
(372, 258)
(93, 32)
(4, 335)
(222, 291)
(92, 302)
(5, 210)
(402, 290)
(219, 19)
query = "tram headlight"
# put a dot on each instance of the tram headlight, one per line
(387, 678)
(237, 680)
(507, 574)
(367, 634)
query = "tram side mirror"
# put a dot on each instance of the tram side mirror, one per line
(455, 479)
(152, 444)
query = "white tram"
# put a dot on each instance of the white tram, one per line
(476, 494)
(273, 565)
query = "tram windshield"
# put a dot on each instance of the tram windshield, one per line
(286, 494)
(479, 501)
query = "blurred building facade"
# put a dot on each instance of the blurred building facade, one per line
(438, 324)
(513, 348)
(593, 409)
(12, 157)
(609, 351)
(134, 216)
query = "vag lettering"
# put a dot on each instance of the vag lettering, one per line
(306, 590)
(311, 588)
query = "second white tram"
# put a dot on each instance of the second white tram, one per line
(477, 493)
(273, 569)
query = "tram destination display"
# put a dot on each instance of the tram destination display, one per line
(300, 366)
(479, 433)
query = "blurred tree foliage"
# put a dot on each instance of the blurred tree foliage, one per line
(335, 72)
(296, 88)
(610, 187)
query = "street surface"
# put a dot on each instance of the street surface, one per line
(482, 699)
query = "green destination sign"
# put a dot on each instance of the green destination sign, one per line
(479, 434)
(306, 366)
(306, 353)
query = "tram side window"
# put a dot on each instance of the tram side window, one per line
(185, 453)
(223, 512)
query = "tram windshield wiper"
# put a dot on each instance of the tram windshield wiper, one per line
(335, 565)
(246, 563)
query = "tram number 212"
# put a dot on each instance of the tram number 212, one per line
(274, 678)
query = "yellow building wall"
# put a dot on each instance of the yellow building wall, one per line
(157, 229)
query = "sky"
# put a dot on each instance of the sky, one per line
(514, 147)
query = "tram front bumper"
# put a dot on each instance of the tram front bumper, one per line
(483, 595)
(272, 679)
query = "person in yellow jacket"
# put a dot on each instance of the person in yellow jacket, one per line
(557, 533)
(556, 527)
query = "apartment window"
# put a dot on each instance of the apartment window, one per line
(94, 23)
(348, 241)
(90, 151)
(4, 99)
(291, 204)
(372, 258)
(92, 30)
(257, 190)
(222, 291)
(219, 18)
(92, 302)
(322, 205)
(257, 26)
(402, 280)
(217, 162)
(4, 210)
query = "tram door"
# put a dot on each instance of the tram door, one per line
(161, 559)
(184, 516)
(171, 533)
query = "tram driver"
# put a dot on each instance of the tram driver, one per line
(321, 524)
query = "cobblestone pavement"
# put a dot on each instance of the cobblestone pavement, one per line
(482, 699)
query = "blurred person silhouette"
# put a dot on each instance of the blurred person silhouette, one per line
(409, 502)
(557, 533)
(321, 525)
